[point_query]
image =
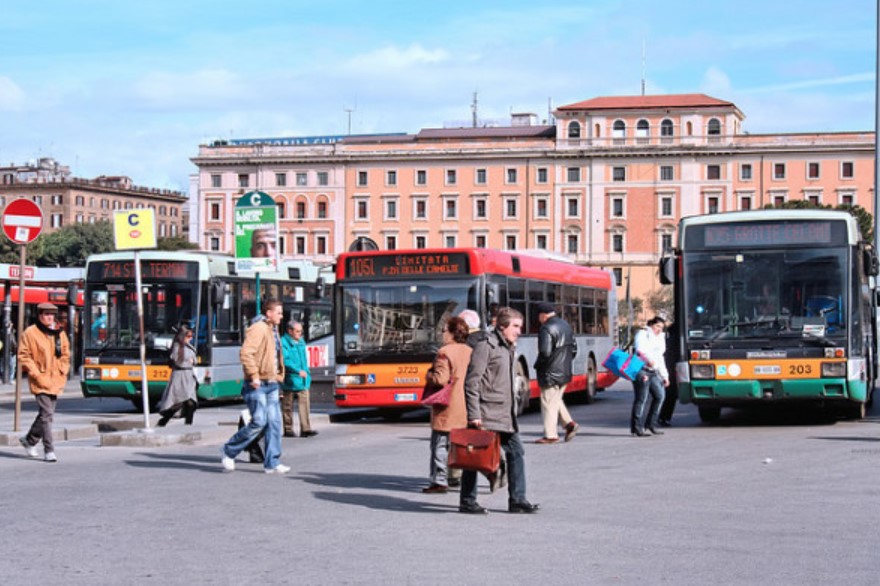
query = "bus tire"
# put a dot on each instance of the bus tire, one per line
(521, 389)
(709, 413)
(139, 405)
(590, 391)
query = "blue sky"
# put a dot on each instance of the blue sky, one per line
(118, 87)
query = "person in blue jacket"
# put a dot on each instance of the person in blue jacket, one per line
(297, 380)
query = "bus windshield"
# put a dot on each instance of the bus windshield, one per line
(761, 294)
(113, 323)
(395, 317)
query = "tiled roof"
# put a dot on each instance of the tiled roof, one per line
(648, 102)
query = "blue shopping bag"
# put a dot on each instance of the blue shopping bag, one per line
(623, 364)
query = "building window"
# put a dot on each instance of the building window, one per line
(450, 209)
(362, 210)
(214, 211)
(571, 243)
(618, 132)
(574, 129)
(450, 241)
(542, 175)
(617, 242)
(745, 172)
(712, 205)
(79, 218)
(510, 208)
(421, 242)
(812, 170)
(80, 200)
(57, 220)
(713, 172)
(216, 181)
(300, 210)
(391, 242)
(421, 177)
(814, 198)
(420, 209)
(666, 207)
(322, 209)
(541, 207)
(391, 178)
(541, 241)
(667, 173)
(847, 198)
(714, 130)
(480, 178)
(362, 178)
(847, 170)
(480, 210)
(215, 244)
(279, 207)
(667, 131)
(58, 200)
(510, 242)
(617, 207)
(243, 180)
(323, 178)
(574, 174)
(643, 132)
(105, 205)
(302, 179)
(450, 177)
(480, 241)
(391, 209)
(745, 202)
(572, 207)
(618, 276)
(300, 244)
(321, 244)
(665, 242)
(779, 171)
(511, 175)
(618, 173)
(281, 179)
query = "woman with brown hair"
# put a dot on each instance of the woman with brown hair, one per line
(451, 363)
(180, 394)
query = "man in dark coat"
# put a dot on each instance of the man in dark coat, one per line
(556, 351)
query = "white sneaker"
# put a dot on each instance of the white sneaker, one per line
(31, 450)
(279, 469)
(228, 463)
(50, 457)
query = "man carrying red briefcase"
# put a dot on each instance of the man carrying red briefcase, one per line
(489, 394)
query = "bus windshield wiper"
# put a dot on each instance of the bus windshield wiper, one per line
(761, 321)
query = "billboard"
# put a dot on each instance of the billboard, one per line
(256, 233)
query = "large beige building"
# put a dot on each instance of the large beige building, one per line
(66, 200)
(604, 185)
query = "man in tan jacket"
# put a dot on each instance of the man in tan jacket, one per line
(44, 354)
(263, 368)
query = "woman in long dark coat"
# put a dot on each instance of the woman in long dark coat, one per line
(180, 394)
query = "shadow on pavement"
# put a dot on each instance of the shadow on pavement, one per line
(386, 503)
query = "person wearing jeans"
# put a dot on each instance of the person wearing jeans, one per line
(650, 345)
(263, 368)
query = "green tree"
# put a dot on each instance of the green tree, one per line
(176, 243)
(71, 246)
(660, 301)
(9, 251)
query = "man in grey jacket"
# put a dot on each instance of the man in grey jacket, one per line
(489, 393)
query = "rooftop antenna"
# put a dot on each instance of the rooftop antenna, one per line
(643, 67)
(349, 111)
(474, 111)
(549, 110)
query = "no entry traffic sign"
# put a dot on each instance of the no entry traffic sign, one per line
(22, 221)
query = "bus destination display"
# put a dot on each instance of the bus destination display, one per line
(406, 266)
(761, 234)
(152, 270)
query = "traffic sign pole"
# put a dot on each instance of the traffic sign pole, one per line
(21, 257)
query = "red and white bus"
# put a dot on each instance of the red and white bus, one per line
(391, 308)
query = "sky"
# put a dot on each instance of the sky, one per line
(124, 87)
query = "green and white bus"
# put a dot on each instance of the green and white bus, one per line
(773, 306)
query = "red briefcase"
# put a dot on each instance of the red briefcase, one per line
(474, 449)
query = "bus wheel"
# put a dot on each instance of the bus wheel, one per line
(709, 414)
(590, 391)
(521, 390)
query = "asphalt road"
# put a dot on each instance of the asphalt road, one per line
(773, 498)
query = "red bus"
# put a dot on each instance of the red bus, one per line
(391, 308)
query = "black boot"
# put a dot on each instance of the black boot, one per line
(189, 408)
(165, 418)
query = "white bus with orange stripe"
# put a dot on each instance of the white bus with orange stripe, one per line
(773, 306)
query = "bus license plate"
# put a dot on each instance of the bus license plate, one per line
(773, 369)
(404, 396)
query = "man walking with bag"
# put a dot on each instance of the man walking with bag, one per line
(556, 350)
(491, 405)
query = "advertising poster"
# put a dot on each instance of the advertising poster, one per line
(256, 233)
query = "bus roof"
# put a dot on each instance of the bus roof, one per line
(775, 215)
(499, 262)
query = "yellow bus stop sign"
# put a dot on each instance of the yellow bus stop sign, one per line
(134, 229)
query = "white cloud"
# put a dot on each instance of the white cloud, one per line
(165, 89)
(396, 58)
(856, 78)
(716, 83)
(12, 97)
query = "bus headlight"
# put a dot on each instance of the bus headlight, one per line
(344, 380)
(92, 373)
(702, 371)
(834, 369)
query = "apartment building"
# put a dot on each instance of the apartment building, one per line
(605, 185)
(66, 200)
